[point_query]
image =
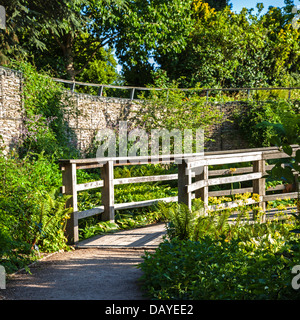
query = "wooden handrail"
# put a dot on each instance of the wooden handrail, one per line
(188, 165)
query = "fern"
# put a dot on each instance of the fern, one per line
(52, 217)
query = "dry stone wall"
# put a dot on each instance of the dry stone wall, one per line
(86, 114)
(11, 105)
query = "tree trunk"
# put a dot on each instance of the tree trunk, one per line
(68, 55)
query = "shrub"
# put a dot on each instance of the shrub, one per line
(32, 212)
(256, 112)
(211, 257)
(217, 269)
(45, 104)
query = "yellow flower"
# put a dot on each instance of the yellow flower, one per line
(256, 197)
(232, 170)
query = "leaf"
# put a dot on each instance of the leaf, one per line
(275, 140)
(295, 231)
(297, 157)
(288, 174)
(287, 149)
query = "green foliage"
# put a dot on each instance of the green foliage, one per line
(227, 49)
(32, 214)
(146, 26)
(50, 223)
(253, 119)
(211, 257)
(183, 223)
(28, 22)
(218, 4)
(216, 269)
(287, 169)
(174, 109)
(45, 128)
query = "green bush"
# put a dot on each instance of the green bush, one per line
(251, 120)
(32, 212)
(45, 103)
(217, 269)
(211, 257)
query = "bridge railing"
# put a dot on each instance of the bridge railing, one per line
(195, 175)
(132, 90)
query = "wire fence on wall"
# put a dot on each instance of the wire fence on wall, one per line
(130, 92)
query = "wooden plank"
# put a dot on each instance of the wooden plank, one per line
(89, 185)
(184, 181)
(145, 203)
(232, 204)
(216, 181)
(278, 154)
(202, 193)
(107, 173)
(90, 212)
(232, 179)
(88, 166)
(269, 151)
(166, 177)
(273, 197)
(208, 156)
(229, 192)
(259, 185)
(129, 160)
(197, 185)
(223, 160)
(277, 188)
(69, 186)
(222, 172)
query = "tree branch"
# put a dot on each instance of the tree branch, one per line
(101, 44)
(57, 40)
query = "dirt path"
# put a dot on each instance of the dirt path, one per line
(82, 274)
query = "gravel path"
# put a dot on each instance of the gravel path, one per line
(101, 268)
(82, 274)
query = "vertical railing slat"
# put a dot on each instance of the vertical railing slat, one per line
(184, 179)
(259, 185)
(69, 183)
(108, 198)
(203, 192)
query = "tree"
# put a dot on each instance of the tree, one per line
(133, 27)
(28, 21)
(217, 4)
(235, 50)
(286, 134)
(90, 64)
(149, 26)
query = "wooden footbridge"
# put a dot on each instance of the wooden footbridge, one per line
(196, 173)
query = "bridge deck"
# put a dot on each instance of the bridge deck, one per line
(142, 238)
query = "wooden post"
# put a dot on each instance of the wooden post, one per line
(132, 93)
(203, 192)
(297, 183)
(108, 197)
(69, 186)
(73, 87)
(100, 91)
(184, 179)
(259, 185)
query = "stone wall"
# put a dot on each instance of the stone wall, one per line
(11, 105)
(86, 114)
